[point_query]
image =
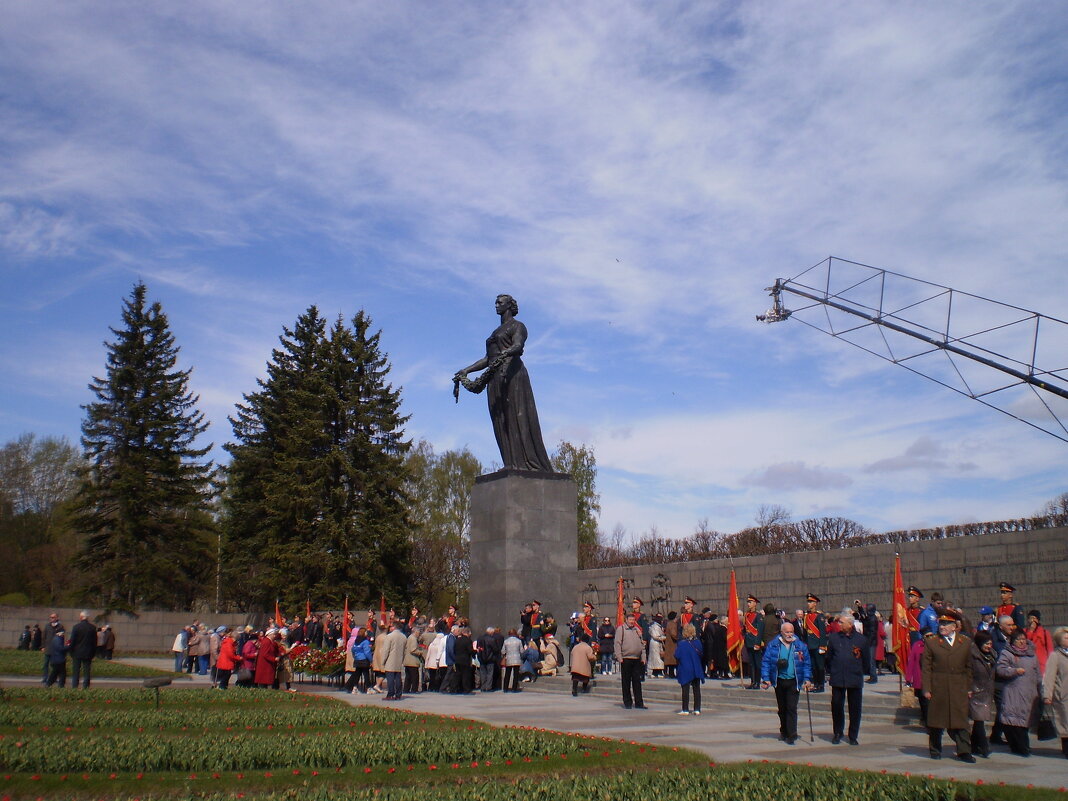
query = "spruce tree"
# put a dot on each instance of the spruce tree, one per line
(315, 500)
(143, 500)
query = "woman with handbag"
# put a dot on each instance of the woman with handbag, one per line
(981, 701)
(1055, 682)
(1018, 668)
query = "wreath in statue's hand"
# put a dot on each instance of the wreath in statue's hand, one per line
(478, 384)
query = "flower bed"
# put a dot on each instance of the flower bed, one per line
(266, 745)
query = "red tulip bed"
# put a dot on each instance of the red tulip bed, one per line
(248, 744)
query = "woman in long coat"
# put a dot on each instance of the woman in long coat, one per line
(656, 646)
(266, 662)
(1018, 668)
(1055, 684)
(981, 704)
(511, 399)
(672, 635)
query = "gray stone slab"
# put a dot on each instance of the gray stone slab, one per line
(524, 531)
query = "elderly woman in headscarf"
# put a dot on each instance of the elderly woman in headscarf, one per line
(1017, 667)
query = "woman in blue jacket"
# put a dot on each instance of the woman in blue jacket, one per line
(690, 668)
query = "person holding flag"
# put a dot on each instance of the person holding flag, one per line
(903, 619)
(734, 630)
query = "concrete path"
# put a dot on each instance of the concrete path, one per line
(739, 735)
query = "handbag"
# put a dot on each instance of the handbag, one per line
(1046, 728)
(244, 674)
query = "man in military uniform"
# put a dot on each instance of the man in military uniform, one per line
(1009, 607)
(636, 605)
(536, 621)
(753, 639)
(816, 640)
(686, 615)
(912, 616)
(947, 683)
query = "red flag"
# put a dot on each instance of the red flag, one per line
(307, 609)
(619, 602)
(899, 629)
(734, 629)
(278, 621)
(382, 612)
(345, 622)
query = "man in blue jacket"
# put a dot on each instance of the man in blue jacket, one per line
(787, 667)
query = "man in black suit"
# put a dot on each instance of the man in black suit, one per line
(82, 648)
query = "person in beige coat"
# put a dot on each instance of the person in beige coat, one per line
(393, 659)
(1055, 684)
(582, 659)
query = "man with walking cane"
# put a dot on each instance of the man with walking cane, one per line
(786, 666)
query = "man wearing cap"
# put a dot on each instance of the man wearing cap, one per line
(587, 622)
(536, 622)
(947, 684)
(986, 620)
(753, 638)
(687, 616)
(815, 623)
(912, 615)
(1009, 607)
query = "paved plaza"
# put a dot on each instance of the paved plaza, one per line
(728, 731)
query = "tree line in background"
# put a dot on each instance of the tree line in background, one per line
(324, 497)
(774, 532)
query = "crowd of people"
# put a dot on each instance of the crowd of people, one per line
(1006, 670)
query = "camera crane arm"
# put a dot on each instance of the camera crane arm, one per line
(1053, 382)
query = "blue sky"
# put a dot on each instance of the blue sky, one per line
(635, 174)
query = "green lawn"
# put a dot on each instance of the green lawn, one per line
(259, 744)
(28, 663)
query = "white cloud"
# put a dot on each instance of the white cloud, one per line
(636, 175)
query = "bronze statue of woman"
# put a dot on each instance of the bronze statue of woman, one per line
(511, 400)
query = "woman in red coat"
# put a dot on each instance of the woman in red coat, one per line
(266, 662)
(227, 661)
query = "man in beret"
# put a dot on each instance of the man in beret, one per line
(947, 684)
(815, 634)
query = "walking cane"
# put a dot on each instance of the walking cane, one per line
(811, 732)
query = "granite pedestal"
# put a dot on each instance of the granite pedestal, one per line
(524, 542)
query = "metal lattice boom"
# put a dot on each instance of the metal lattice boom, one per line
(964, 342)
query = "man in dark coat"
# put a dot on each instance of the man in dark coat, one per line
(489, 655)
(848, 660)
(947, 681)
(82, 648)
(753, 637)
